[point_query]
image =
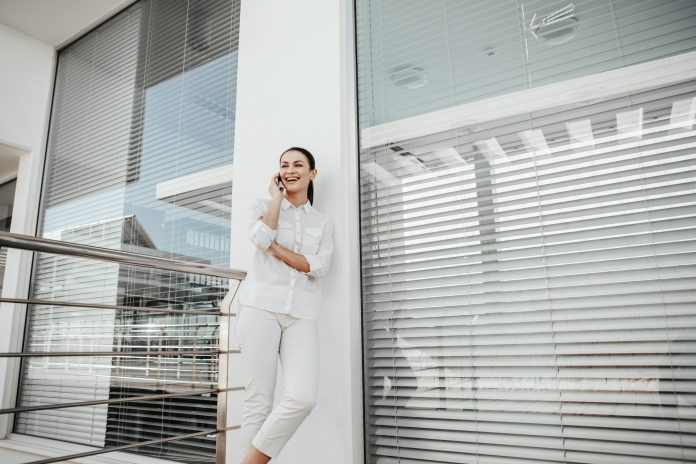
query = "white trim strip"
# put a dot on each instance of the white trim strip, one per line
(574, 91)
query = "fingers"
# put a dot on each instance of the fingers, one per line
(274, 189)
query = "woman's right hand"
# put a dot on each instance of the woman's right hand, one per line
(273, 189)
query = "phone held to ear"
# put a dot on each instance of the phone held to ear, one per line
(279, 183)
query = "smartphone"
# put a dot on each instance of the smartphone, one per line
(279, 183)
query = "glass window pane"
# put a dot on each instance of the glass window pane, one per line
(139, 159)
(416, 57)
(528, 212)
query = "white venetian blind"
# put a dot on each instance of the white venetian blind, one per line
(51, 380)
(538, 298)
(529, 280)
(92, 110)
(139, 159)
(416, 56)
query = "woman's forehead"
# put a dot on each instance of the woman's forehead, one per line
(292, 156)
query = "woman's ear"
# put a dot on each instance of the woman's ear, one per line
(313, 173)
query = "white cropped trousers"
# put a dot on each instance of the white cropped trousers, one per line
(264, 338)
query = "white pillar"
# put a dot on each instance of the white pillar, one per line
(296, 88)
(25, 90)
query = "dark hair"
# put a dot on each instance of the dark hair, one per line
(312, 164)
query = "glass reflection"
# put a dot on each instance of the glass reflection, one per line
(415, 57)
(182, 194)
(139, 159)
(528, 280)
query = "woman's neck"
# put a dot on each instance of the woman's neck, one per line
(297, 199)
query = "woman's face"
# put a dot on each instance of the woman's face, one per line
(295, 172)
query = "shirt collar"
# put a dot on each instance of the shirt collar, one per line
(285, 204)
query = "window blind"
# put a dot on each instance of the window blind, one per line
(528, 280)
(415, 57)
(139, 158)
(539, 304)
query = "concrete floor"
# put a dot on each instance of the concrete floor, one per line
(9, 456)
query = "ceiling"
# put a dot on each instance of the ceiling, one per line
(56, 22)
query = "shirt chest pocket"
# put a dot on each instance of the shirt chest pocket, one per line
(311, 240)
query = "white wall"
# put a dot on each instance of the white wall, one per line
(295, 88)
(26, 80)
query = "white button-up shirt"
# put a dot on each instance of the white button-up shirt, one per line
(273, 285)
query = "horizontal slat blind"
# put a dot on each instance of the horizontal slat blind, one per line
(529, 283)
(466, 50)
(53, 380)
(93, 105)
(139, 159)
(143, 375)
(537, 297)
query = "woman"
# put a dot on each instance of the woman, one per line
(280, 302)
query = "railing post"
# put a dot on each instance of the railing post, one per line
(223, 361)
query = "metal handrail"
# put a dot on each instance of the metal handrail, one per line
(36, 244)
(26, 242)
(111, 354)
(72, 304)
(159, 396)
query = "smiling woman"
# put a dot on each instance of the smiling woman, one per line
(280, 306)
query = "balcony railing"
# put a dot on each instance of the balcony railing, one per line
(219, 356)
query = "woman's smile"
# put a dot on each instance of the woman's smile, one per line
(294, 182)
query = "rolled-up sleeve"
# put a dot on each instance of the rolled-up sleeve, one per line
(320, 262)
(259, 233)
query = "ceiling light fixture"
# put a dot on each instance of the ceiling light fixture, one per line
(377, 173)
(439, 158)
(490, 149)
(683, 114)
(580, 132)
(535, 142)
(629, 124)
